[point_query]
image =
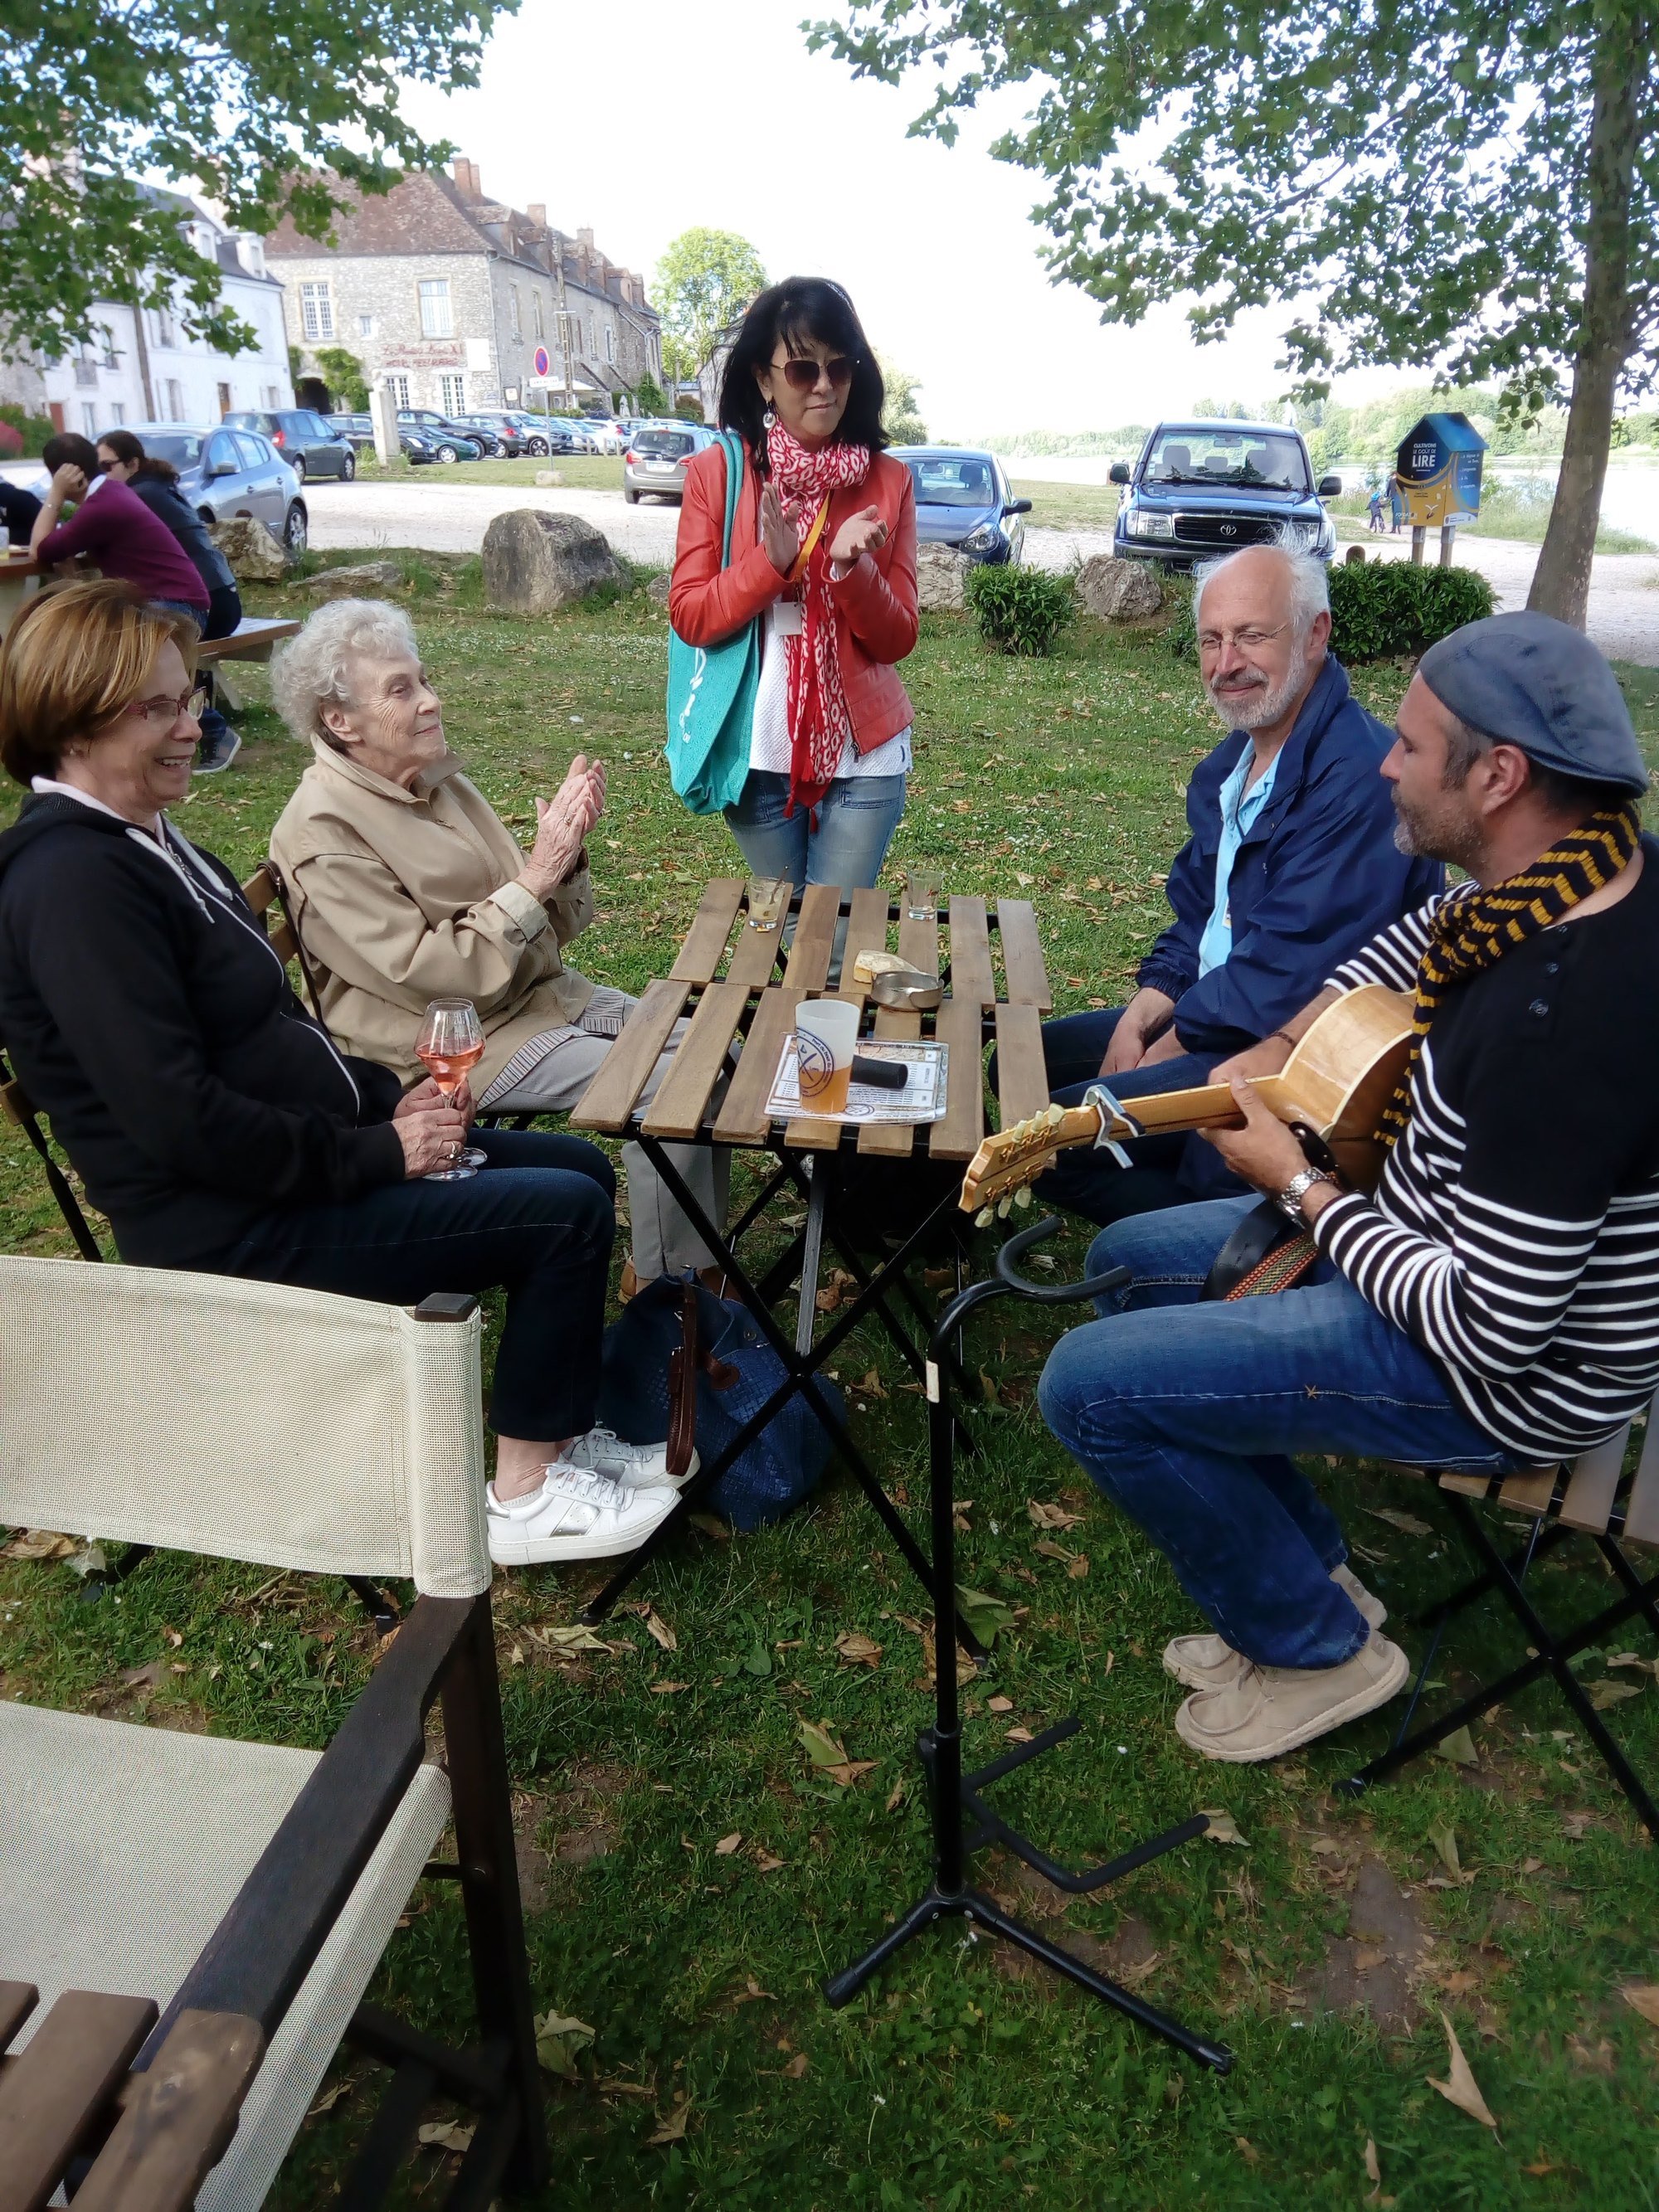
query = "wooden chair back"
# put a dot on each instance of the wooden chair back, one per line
(20, 1107)
(266, 893)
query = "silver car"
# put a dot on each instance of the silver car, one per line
(225, 472)
(656, 461)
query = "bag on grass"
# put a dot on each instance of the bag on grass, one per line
(711, 690)
(737, 1371)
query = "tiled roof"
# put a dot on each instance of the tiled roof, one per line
(422, 213)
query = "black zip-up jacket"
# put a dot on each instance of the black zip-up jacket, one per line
(168, 505)
(147, 1016)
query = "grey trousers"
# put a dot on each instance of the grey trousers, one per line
(664, 1241)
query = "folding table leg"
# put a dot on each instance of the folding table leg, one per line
(812, 1260)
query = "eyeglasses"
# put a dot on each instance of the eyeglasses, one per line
(804, 375)
(1247, 641)
(169, 711)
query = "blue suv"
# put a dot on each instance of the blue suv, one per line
(1204, 489)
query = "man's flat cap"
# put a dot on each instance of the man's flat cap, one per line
(1539, 684)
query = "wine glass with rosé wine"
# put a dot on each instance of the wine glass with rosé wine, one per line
(451, 1044)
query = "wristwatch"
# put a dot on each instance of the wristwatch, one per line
(1289, 1201)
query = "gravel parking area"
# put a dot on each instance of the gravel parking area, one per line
(1624, 611)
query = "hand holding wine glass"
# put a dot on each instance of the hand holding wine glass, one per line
(450, 1044)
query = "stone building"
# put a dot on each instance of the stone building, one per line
(448, 295)
(142, 367)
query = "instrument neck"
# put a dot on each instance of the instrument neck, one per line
(1211, 1106)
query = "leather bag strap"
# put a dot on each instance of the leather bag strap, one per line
(1265, 1253)
(683, 1365)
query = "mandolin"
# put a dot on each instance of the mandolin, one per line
(1334, 1086)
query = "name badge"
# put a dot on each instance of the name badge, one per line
(788, 617)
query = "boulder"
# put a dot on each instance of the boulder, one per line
(1120, 590)
(657, 588)
(255, 554)
(941, 571)
(1354, 557)
(547, 479)
(365, 580)
(535, 562)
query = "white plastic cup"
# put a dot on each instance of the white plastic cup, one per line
(826, 1034)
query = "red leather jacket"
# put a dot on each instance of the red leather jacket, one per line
(875, 602)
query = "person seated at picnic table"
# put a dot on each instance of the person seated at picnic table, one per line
(220, 1129)
(19, 507)
(1290, 867)
(1495, 1305)
(114, 530)
(122, 457)
(405, 886)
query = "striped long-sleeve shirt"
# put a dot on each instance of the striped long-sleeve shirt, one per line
(1514, 1234)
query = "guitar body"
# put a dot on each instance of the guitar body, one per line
(1337, 1079)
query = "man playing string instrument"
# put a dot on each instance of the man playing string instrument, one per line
(1496, 1304)
(1290, 868)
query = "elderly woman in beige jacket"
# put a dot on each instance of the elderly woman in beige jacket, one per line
(406, 886)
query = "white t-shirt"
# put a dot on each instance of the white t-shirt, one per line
(769, 742)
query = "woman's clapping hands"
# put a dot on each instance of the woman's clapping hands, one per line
(562, 825)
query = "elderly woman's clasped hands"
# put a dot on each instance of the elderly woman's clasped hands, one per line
(563, 823)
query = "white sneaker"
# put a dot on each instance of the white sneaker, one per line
(1209, 1663)
(577, 1514)
(636, 1466)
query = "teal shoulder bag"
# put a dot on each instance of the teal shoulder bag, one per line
(711, 690)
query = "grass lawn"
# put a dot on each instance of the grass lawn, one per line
(580, 471)
(1517, 1892)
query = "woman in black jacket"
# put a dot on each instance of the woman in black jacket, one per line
(122, 455)
(217, 1125)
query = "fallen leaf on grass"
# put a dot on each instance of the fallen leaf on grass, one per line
(666, 1689)
(39, 1544)
(1017, 1734)
(1223, 1828)
(1459, 1747)
(856, 1650)
(1630, 1659)
(820, 1746)
(1247, 2150)
(872, 1386)
(1462, 2088)
(1603, 1694)
(1642, 1997)
(849, 1770)
(897, 1794)
(982, 1615)
(662, 1632)
(753, 1993)
(767, 1862)
(711, 1525)
(557, 2041)
(1079, 1568)
(447, 2135)
(1408, 1523)
(796, 2067)
(579, 1637)
(145, 1678)
(998, 1704)
(673, 2129)
(727, 1844)
(1046, 1548)
(1444, 1840)
(1577, 1826)
(329, 2100)
(1050, 1517)
(93, 1561)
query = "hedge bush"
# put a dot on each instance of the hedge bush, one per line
(1383, 610)
(33, 429)
(1019, 609)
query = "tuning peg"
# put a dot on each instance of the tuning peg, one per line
(984, 1218)
(1004, 1207)
(1055, 1114)
(1023, 1195)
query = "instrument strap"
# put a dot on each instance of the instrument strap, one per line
(1265, 1253)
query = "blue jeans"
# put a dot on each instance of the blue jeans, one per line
(1167, 1171)
(855, 824)
(539, 1221)
(1185, 1415)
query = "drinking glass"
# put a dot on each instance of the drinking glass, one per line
(826, 1035)
(451, 1042)
(5, 542)
(922, 887)
(766, 900)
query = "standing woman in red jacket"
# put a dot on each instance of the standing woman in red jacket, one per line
(823, 549)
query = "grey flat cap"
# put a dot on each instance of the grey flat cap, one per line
(1542, 686)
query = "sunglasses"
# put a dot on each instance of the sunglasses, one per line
(803, 375)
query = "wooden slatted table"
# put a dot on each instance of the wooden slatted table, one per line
(740, 987)
(71, 2094)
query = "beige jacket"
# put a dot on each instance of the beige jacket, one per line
(400, 896)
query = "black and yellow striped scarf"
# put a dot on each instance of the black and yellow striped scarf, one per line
(1468, 936)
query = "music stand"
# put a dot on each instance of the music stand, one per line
(962, 1823)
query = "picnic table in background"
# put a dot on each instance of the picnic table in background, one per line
(725, 978)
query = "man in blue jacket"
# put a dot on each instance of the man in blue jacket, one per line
(1291, 867)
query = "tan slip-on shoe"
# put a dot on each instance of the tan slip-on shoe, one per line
(1268, 1711)
(1209, 1663)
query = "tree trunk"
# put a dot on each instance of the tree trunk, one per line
(1560, 583)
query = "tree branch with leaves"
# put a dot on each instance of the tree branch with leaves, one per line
(1430, 182)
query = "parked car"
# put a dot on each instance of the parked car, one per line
(545, 433)
(225, 472)
(610, 433)
(447, 440)
(309, 443)
(656, 461)
(1200, 489)
(359, 429)
(510, 440)
(963, 499)
(583, 436)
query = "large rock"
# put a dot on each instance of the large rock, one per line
(1120, 590)
(657, 587)
(255, 554)
(364, 579)
(535, 562)
(941, 571)
(548, 479)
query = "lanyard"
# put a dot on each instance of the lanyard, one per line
(813, 537)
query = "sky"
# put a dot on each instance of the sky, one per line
(717, 114)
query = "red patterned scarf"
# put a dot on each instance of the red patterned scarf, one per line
(819, 725)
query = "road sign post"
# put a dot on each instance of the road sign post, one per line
(1439, 466)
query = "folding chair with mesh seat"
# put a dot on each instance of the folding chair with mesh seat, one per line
(1594, 1496)
(323, 1435)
